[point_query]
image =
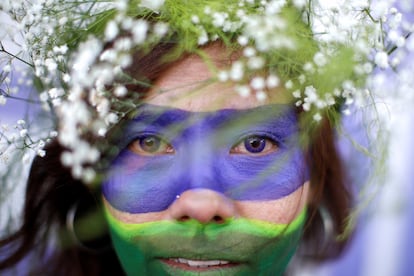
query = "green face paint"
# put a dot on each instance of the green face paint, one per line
(251, 247)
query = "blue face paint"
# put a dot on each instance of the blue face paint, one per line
(202, 155)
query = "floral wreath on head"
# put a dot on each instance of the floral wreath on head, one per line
(83, 82)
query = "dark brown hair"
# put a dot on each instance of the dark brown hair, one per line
(51, 193)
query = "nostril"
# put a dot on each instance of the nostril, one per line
(184, 218)
(218, 219)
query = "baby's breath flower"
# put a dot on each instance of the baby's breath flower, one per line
(381, 59)
(317, 117)
(111, 30)
(242, 40)
(258, 83)
(261, 96)
(237, 71)
(243, 90)
(3, 100)
(23, 133)
(223, 76)
(255, 63)
(41, 153)
(139, 31)
(272, 81)
(154, 5)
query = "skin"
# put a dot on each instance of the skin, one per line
(184, 86)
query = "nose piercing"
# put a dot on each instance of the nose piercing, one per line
(177, 196)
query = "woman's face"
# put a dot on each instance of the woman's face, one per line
(208, 182)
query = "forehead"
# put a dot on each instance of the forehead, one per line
(191, 84)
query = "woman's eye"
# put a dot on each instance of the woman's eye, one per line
(150, 145)
(255, 144)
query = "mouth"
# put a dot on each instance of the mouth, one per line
(198, 265)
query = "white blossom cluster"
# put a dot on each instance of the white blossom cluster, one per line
(393, 56)
(20, 138)
(85, 86)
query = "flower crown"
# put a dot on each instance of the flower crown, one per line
(79, 53)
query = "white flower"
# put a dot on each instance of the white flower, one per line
(317, 117)
(56, 92)
(311, 95)
(41, 153)
(237, 71)
(289, 84)
(243, 90)
(53, 133)
(242, 40)
(195, 19)
(296, 94)
(160, 29)
(139, 31)
(88, 175)
(320, 59)
(261, 96)
(23, 133)
(255, 63)
(258, 83)
(111, 118)
(381, 59)
(102, 131)
(111, 30)
(223, 76)
(272, 81)
(3, 100)
(66, 158)
(308, 67)
(219, 19)
(124, 44)
(120, 91)
(300, 3)
(249, 52)
(50, 64)
(88, 51)
(154, 5)
(203, 37)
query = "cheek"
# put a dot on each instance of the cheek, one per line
(283, 210)
(280, 211)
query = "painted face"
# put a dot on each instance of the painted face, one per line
(249, 154)
(205, 187)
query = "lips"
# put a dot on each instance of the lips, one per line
(199, 265)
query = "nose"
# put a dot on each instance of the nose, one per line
(203, 205)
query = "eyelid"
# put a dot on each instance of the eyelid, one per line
(165, 147)
(277, 139)
(268, 137)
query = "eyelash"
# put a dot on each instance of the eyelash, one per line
(255, 145)
(152, 144)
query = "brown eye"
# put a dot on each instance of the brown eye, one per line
(150, 145)
(256, 145)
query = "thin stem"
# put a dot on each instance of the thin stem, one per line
(2, 92)
(2, 49)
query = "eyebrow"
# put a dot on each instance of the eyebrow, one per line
(163, 116)
(153, 118)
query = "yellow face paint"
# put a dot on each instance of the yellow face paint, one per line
(235, 247)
